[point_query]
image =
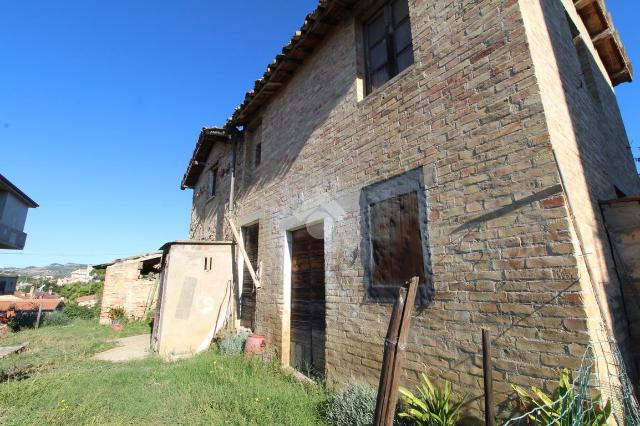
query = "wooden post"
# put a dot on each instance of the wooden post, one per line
(39, 314)
(394, 348)
(247, 262)
(487, 367)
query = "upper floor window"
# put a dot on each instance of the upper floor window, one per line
(253, 156)
(212, 176)
(258, 153)
(388, 46)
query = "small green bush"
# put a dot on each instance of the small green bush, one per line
(233, 345)
(118, 314)
(55, 318)
(23, 320)
(354, 406)
(76, 311)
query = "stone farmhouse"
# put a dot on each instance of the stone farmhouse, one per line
(466, 142)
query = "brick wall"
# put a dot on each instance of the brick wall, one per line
(470, 111)
(592, 150)
(123, 286)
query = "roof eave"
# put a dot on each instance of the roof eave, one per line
(206, 139)
(316, 25)
(18, 193)
(605, 39)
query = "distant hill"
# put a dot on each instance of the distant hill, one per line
(56, 270)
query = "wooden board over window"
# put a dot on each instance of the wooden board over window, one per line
(395, 246)
(395, 240)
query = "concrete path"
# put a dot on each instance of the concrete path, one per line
(129, 349)
(8, 350)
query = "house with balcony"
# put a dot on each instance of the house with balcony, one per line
(14, 206)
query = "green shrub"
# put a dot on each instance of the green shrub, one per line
(563, 407)
(75, 311)
(233, 345)
(23, 320)
(118, 314)
(55, 318)
(433, 406)
(354, 406)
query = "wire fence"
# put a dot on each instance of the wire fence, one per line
(600, 392)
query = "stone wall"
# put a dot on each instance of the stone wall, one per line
(503, 253)
(124, 286)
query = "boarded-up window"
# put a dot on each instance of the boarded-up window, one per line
(395, 240)
(395, 244)
(388, 45)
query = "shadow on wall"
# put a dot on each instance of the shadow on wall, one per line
(301, 113)
(293, 123)
(605, 160)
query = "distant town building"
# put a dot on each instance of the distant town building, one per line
(19, 304)
(87, 301)
(78, 276)
(14, 205)
(8, 285)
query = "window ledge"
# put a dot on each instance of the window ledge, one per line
(388, 84)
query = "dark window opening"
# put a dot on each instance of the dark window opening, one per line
(258, 157)
(395, 246)
(388, 45)
(212, 177)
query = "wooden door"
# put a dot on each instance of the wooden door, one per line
(248, 298)
(308, 302)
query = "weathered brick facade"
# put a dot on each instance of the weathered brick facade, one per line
(128, 285)
(515, 152)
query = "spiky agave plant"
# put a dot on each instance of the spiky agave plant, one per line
(433, 406)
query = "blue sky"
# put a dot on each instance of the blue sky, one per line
(101, 104)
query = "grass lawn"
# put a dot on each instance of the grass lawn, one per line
(68, 387)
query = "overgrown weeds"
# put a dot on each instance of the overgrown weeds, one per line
(66, 386)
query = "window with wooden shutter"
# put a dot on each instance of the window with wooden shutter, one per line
(388, 45)
(395, 240)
